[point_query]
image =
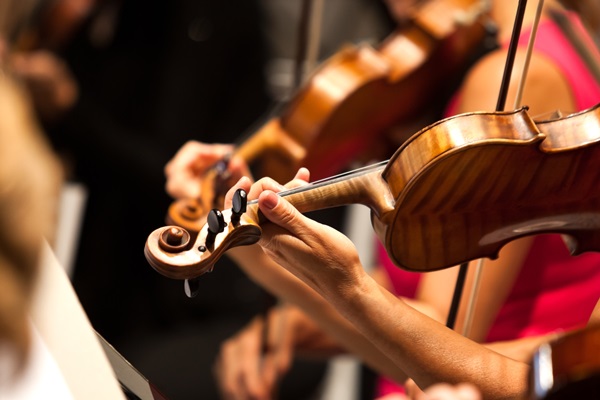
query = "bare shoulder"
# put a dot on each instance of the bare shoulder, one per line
(545, 89)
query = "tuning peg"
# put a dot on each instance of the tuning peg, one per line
(216, 222)
(174, 236)
(174, 239)
(239, 204)
(191, 287)
(222, 165)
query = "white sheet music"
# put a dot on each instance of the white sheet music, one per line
(67, 338)
(42, 378)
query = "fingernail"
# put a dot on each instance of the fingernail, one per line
(270, 200)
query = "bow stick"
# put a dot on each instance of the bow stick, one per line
(510, 60)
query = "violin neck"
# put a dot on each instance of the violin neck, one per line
(364, 186)
(271, 138)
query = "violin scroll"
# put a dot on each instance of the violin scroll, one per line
(191, 214)
(171, 251)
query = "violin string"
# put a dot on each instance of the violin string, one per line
(330, 180)
(354, 172)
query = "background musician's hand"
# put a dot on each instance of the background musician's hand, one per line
(246, 368)
(51, 84)
(441, 391)
(185, 171)
(401, 10)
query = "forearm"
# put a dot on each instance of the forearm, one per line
(310, 341)
(426, 350)
(265, 272)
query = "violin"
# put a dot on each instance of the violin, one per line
(531, 177)
(567, 368)
(352, 99)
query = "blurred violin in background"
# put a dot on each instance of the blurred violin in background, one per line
(347, 109)
(568, 367)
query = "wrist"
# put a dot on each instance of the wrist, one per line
(245, 256)
(355, 295)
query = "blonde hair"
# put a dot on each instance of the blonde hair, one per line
(29, 182)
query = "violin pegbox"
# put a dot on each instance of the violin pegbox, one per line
(170, 251)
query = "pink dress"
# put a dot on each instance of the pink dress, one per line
(554, 290)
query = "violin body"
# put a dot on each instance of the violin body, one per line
(519, 178)
(458, 190)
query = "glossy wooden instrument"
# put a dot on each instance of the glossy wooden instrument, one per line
(347, 105)
(567, 368)
(456, 191)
